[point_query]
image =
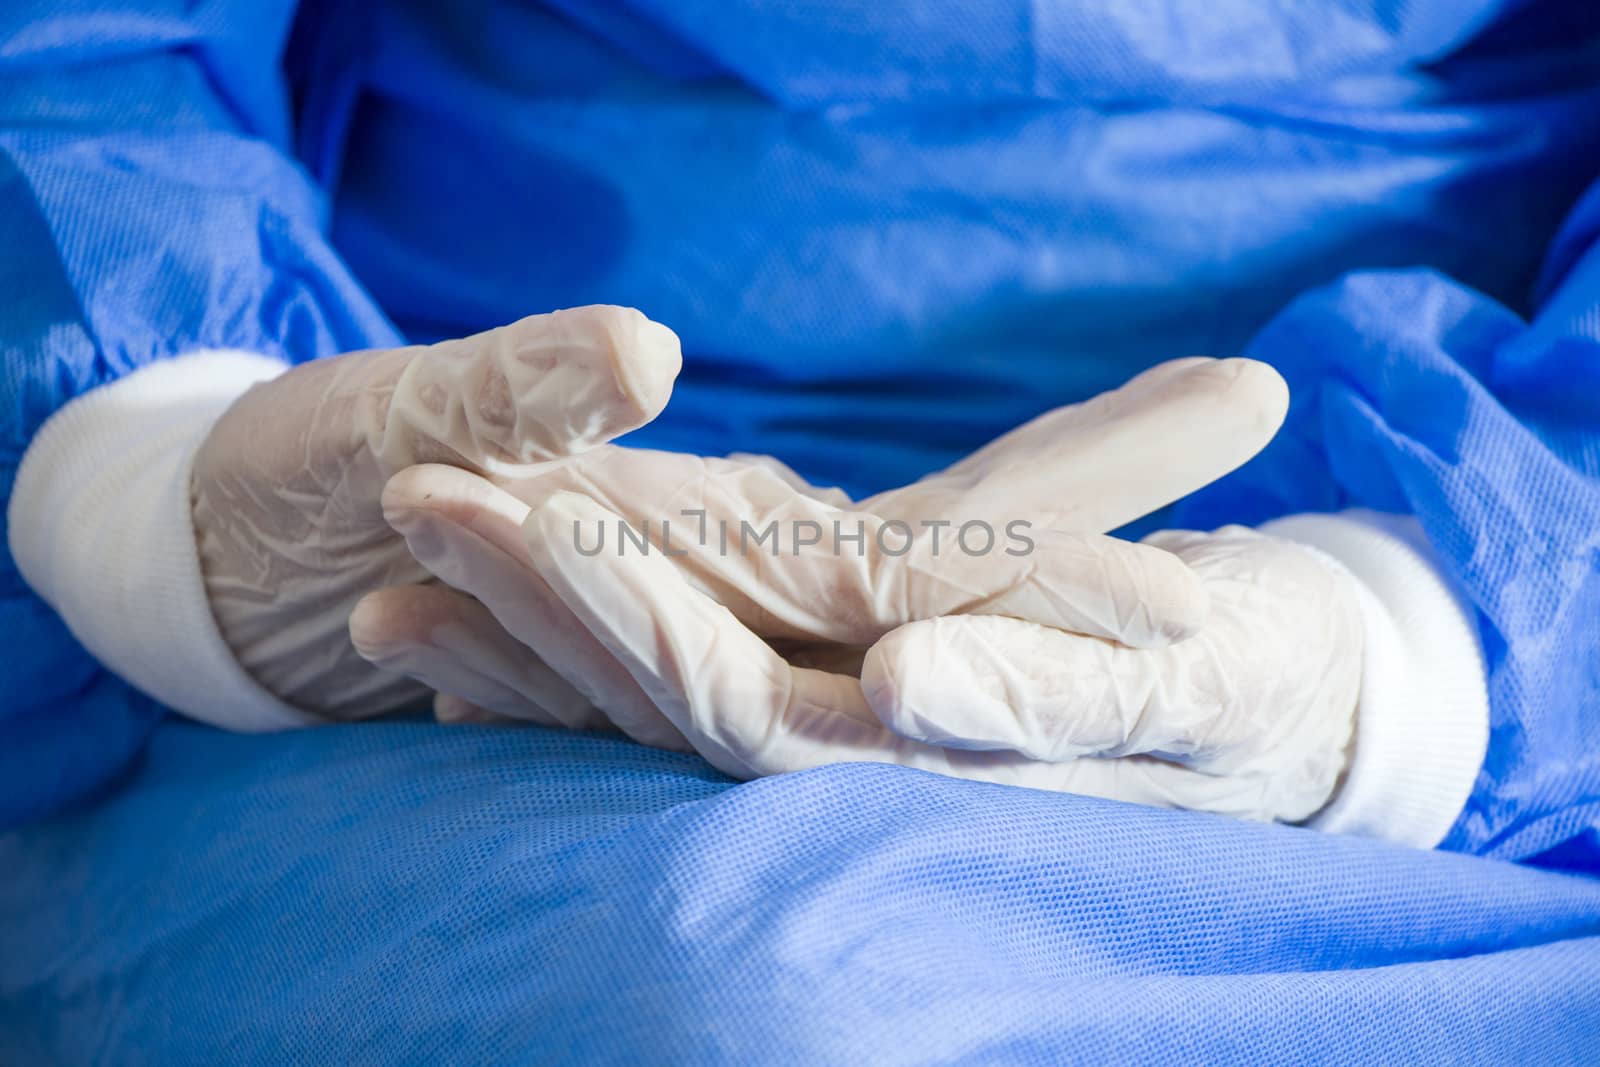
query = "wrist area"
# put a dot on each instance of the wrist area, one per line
(100, 527)
(1422, 717)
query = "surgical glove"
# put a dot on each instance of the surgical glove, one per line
(286, 486)
(1250, 717)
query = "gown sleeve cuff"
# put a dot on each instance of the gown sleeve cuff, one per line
(1422, 720)
(100, 527)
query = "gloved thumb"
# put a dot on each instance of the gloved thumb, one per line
(540, 388)
(1114, 458)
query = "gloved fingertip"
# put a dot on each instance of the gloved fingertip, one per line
(924, 682)
(438, 492)
(1268, 392)
(1246, 395)
(371, 627)
(390, 621)
(878, 682)
(648, 359)
(409, 491)
(618, 371)
(893, 674)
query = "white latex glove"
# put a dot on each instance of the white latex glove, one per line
(286, 486)
(1250, 717)
(1092, 465)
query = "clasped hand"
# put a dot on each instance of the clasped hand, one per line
(1207, 671)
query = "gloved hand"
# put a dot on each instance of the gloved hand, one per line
(1094, 465)
(1251, 717)
(286, 486)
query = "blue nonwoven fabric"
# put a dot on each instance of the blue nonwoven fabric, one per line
(883, 240)
(399, 894)
(886, 236)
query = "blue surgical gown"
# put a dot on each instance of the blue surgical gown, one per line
(885, 232)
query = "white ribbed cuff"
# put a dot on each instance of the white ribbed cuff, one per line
(100, 527)
(1422, 721)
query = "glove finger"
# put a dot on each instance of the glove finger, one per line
(790, 566)
(515, 593)
(542, 387)
(1082, 583)
(1121, 455)
(997, 683)
(452, 644)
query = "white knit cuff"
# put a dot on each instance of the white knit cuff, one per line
(100, 527)
(1422, 721)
